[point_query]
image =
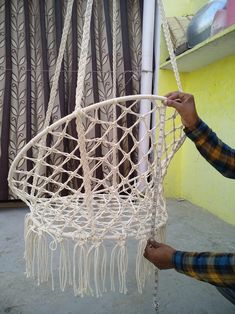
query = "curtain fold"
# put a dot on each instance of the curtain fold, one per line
(30, 34)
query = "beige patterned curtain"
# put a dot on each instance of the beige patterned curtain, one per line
(30, 33)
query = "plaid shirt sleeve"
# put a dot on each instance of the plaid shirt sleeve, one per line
(218, 154)
(215, 268)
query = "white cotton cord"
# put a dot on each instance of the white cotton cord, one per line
(46, 256)
(103, 267)
(52, 247)
(89, 261)
(28, 245)
(167, 35)
(63, 267)
(70, 280)
(75, 261)
(96, 271)
(52, 273)
(140, 269)
(54, 88)
(86, 170)
(86, 279)
(32, 274)
(40, 257)
(34, 254)
(122, 264)
(80, 269)
(97, 255)
(79, 94)
(119, 256)
(43, 258)
(60, 57)
(158, 170)
(37, 246)
(83, 55)
(75, 289)
(112, 266)
(86, 262)
(29, 251)
(148, 270)
(27, 224)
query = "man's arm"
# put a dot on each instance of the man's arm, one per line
(215, 268)
(217, 153)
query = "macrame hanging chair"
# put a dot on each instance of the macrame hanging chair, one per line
(84, 221)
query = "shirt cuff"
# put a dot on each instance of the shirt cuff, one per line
(201, 131)
(177, 260)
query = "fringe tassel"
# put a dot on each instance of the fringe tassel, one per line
(86, 268)
(70, 280)
(80, 269)
(42, 259)
(52, 274)
(63, 268)
(97, 255)
(36, 252)
(103, 268)
(120, 255)
(29, 247)
(141, 265)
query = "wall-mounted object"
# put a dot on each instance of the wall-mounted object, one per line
(199, 28)
(230, 13)
(220, 22)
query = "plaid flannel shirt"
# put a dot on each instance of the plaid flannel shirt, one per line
(218, 154)
(215, 268)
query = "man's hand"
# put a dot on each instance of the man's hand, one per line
(161, 255)
(185, 105)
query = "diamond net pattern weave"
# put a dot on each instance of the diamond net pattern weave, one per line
(86, 187)
(89, 186)
(95, 181)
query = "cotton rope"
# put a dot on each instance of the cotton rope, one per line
(55, 81)
(87, 230)
(169, 43)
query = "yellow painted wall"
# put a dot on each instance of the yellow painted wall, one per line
(182, 7)
(189, 175)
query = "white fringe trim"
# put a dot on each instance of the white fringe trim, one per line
(86, 268)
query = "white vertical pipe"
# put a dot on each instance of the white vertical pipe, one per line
(157, 41)
(146, 83)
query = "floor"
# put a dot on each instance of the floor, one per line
(189, 228)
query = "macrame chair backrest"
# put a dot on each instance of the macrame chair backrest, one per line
(87, 198)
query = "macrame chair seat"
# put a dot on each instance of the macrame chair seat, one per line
(87, 209)
(90, 187)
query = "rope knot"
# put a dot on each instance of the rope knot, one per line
(122, 240)
(40, 232)
(81, 242)
(96, 241)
